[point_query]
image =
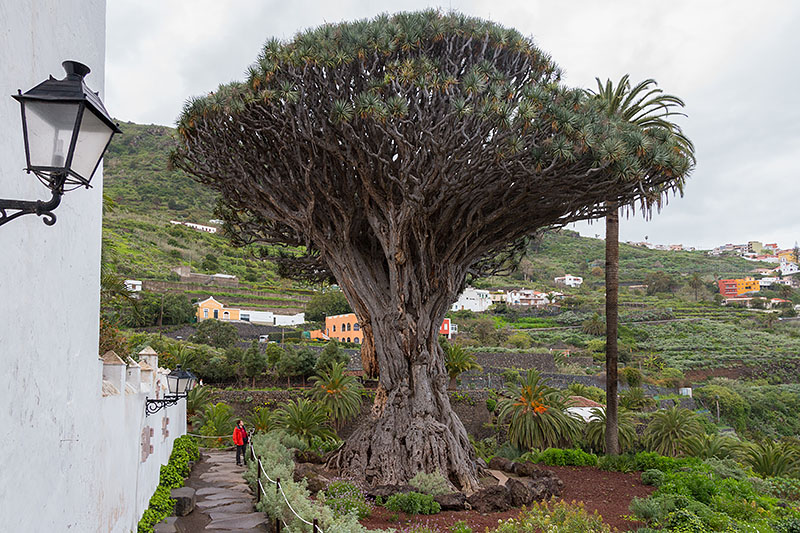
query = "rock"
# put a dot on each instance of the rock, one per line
(184, 500)
(491, 499)
(167, 525)
(500, 463)
(526, 468)
(307, 457)
(310, 471)
(455, 501)
(384, 491)
(520, 492)
(481, 463)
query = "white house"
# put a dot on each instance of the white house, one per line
(787, 268)
(477, 300)
(569, 281)
(133, 285)
(270, 318)
(72, 454)
(527, 298)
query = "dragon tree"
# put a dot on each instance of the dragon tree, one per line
(402, 152)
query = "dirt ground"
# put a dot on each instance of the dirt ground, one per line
(608, 493)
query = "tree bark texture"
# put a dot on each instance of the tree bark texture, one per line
(612, 316)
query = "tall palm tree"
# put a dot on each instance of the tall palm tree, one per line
(646, 106)
(596, 429)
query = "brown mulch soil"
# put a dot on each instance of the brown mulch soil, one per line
(608, 493)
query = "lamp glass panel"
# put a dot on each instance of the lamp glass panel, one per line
(172, 383)
(92, 140)
(181, 383)
(49, 126)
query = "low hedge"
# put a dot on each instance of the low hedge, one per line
(171, 476)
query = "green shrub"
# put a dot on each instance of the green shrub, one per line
(462, 527)
(161, 502)
(648, 510)
(567, 457)
(189, 445)
(149, 519)
(180, 460)
(560, 517)
(685, 521)
(169, 477)
(434, 483)
(412, 503)
(653, 477)
(491, 403)
(788, 525)
(616, 463)
(784, 488)
(344, 498)
(530, 457)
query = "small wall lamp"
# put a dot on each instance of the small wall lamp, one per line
(179, 383)
(66, 131)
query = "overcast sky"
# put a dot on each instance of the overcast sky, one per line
(735, 63)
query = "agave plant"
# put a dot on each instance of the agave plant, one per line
(537, 414)
(216, 420)
(669, 428)
(261, 420)
(337, 392)
(708, 446)
(457, 360)
(596, 429)
(305, 420)
(771, 459)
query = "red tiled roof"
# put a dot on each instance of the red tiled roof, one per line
(580, 401)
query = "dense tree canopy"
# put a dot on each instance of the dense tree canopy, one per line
(401, 152)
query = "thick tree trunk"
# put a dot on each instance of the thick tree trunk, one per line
(412, 427)
(612, 311)
(369, 359)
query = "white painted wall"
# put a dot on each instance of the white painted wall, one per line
(270, 318)
(65, 452)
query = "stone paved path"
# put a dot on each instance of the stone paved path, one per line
(225, 503)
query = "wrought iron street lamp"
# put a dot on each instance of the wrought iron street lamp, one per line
(179, 383)
(66, 131)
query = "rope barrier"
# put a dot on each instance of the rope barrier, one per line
(209, 436)
(315, 527)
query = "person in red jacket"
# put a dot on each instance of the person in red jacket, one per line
(240, 440)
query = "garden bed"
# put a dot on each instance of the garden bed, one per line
(608, 493)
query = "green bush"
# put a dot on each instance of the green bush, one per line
(412, 503)
(560, 517)
(616, 463)
(567, 457)
(149, 519)
(784, 488)
(345, 498)
(491, 404)
(180, 460)
(462, 527)
(189, 445)
(685, 521)
(161, 502)
(788, 525)
(169, 477)
(434, 483)
(653, 477)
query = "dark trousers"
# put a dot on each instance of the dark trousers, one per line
(241, 451)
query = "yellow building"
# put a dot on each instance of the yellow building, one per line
(210, 308)
(747, 285)
(787, 255)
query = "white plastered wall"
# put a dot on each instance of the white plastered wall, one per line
(67, 459)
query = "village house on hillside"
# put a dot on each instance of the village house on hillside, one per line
(345, 328)
(569, 280)
(211, 308)
(476, 300)
(187, 276)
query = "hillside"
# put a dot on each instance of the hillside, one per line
(142, 243)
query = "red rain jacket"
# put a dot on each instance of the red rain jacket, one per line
(239, 436)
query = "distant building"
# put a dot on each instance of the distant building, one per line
(731, 288)
(133, 285)
(211, 308)
(345, 328)
(569, 281)
(527, 298)
(476, 300)
(789, 269)
(198, 227)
